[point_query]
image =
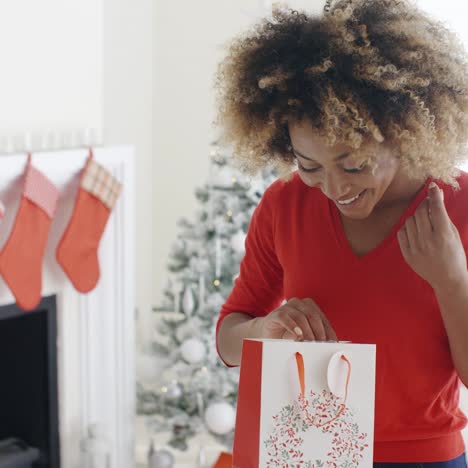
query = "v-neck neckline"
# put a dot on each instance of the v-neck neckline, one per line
(343, 242)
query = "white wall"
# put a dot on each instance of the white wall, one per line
(51, 55)
(451, 12)
(83, 64)
(127, 102)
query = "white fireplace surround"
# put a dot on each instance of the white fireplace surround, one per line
(95, 341)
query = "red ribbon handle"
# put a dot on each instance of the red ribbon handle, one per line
(301, 373)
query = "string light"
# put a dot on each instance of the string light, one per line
(216, 282)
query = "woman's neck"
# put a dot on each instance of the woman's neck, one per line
(401, 191)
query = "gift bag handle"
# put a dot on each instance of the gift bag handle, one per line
(300, 370)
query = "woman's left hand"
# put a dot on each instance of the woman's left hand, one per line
(431, 245)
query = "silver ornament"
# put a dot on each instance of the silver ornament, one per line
(174, 392)
(161, 459)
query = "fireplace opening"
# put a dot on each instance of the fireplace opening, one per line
(29, 389)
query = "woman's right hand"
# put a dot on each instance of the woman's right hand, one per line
(298, 319)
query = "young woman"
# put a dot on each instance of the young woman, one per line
(366, 241)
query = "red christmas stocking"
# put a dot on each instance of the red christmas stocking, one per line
(21, 258)
(78, 248)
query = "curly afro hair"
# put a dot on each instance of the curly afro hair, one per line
(368, 71)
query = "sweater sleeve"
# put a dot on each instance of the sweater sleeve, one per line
(259, 287)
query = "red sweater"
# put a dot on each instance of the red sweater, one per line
(296, 247)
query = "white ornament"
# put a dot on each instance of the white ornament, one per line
(238, 242)
(188, 302)
(193, 351)
(220, 418)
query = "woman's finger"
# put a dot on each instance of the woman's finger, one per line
(296, 310)
(412, 233)
(423, 222)
(316, 318)
(439, 216)
(330, 334)
(290, 324)
(301, 319)
(311, 319)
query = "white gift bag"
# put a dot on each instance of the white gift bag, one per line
(305, 404)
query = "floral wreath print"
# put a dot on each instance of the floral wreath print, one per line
(319, 412)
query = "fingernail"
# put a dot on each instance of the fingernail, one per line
(433, 186)
(298, 331)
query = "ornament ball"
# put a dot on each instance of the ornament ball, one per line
(220, 418)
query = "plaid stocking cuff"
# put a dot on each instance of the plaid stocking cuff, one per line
(98, 181)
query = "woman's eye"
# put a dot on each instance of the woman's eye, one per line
(307, 169)
(356, 169)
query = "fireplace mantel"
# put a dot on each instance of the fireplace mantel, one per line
(95, 331)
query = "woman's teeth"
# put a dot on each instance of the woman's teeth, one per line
(350, 200)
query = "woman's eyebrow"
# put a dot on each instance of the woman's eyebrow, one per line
(338, 158)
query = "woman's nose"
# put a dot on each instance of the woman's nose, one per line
(336, 187)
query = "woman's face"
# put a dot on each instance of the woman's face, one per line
(353, 186)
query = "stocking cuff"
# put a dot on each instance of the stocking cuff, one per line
(40, 190)
(98, 181)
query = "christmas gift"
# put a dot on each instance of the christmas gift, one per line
(305, 404)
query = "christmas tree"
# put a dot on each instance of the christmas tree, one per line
(195, 391)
